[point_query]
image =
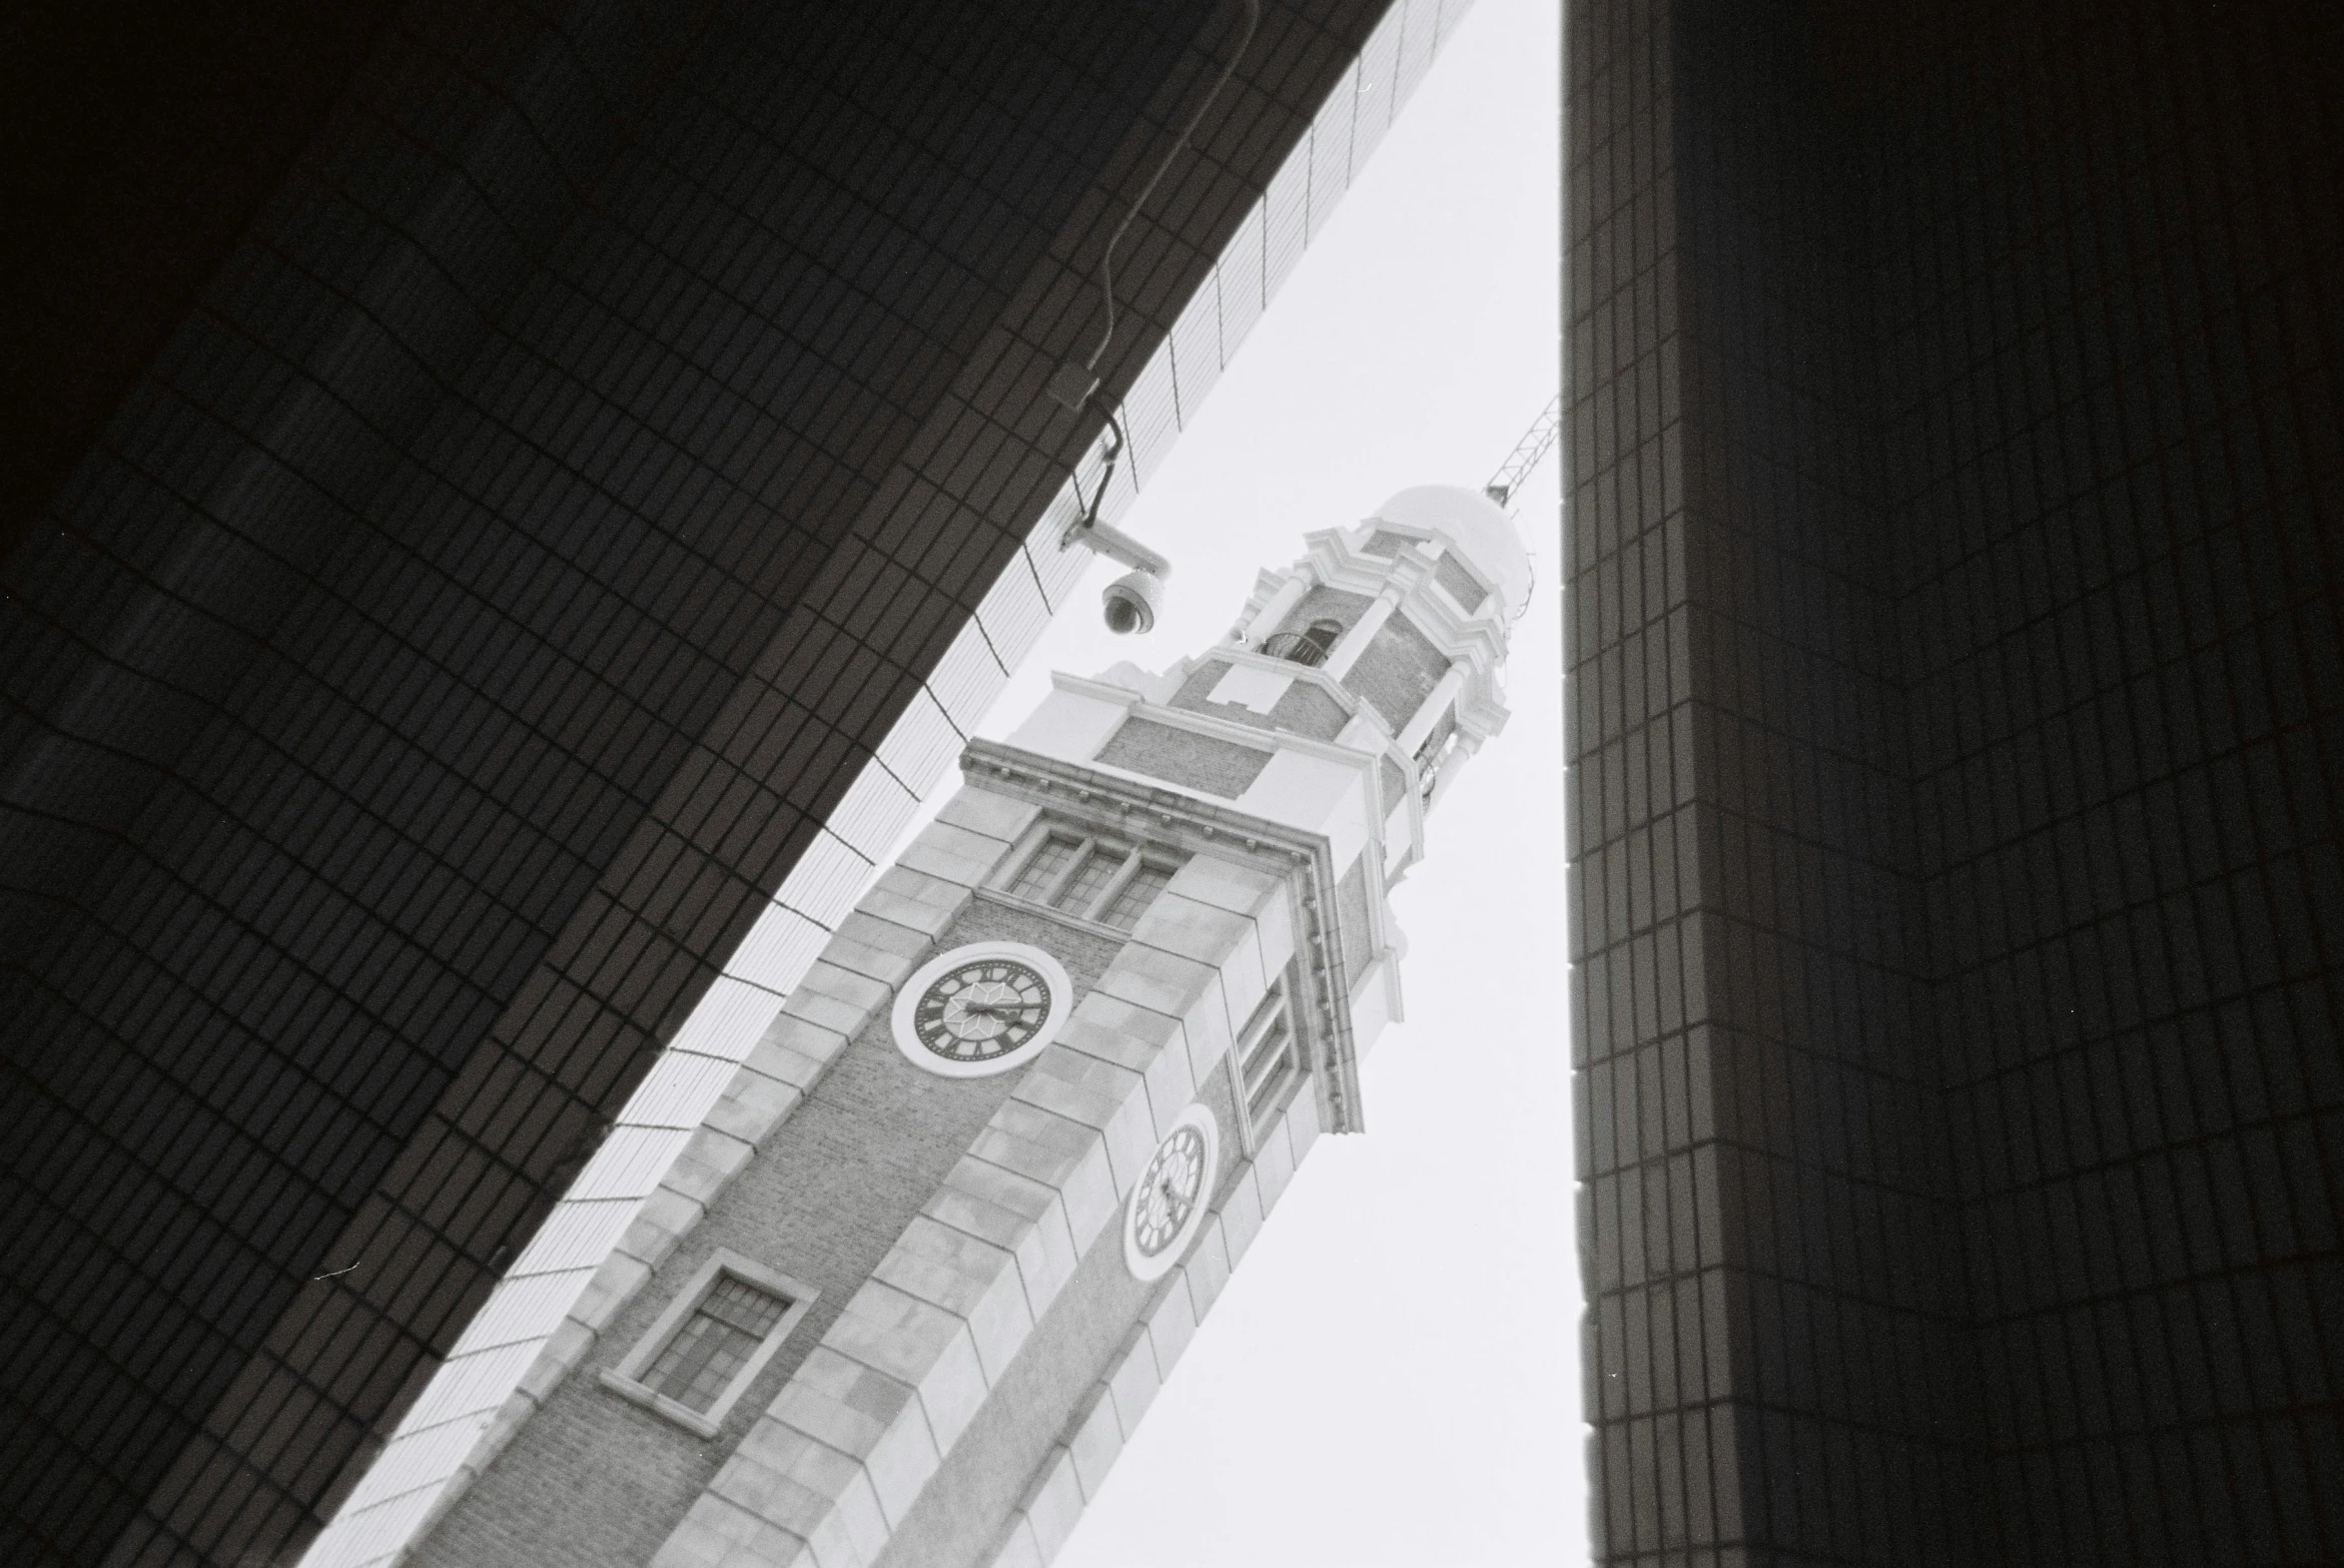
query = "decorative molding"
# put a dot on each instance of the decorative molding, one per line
(1478, 639)
(1093, 928)
(1353, 705)
(1334, 561)
(1305, 858)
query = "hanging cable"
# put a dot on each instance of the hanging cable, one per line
(1075, 384)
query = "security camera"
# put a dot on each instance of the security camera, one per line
(1132, 599)
(1131, 602)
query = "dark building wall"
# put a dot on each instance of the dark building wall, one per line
(1952, 700)
(2109, 258)
(1770, 1336)
(460, 626)
(137, 141)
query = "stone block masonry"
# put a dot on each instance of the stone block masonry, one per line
(840, 1459)
(941, 1241)
(1107, 1414)
(522, 1506)
(939, 1221)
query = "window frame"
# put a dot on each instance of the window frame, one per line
(626, 1377)
(1086, 843)
(1334, 633)
(1276, 1003)
(1288, 644)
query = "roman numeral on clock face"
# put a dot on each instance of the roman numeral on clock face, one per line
(982, 1009)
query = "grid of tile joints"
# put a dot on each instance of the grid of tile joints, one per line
(2109, 600)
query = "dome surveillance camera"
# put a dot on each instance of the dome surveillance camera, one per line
(1130, 601)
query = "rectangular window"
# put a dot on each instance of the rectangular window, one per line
(1083, 890)
(1269, 1061)
(1125, 908)
(1104, 880)
(696, 1361)
(731, 1322)
(1042, 871)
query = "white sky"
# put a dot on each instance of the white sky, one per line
(1391, 1377)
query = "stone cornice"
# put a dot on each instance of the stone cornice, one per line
(1454, 631)
(1303, 859)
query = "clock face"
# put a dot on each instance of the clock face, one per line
(1166, 1205)
(1170, 1188)
(981, 1009)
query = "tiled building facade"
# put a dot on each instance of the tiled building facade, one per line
(1956, 710)
(587, 463)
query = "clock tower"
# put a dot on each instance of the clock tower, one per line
(921, 1272)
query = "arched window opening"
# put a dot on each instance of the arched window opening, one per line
(1308, 646)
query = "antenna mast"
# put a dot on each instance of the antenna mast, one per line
(1526, 455)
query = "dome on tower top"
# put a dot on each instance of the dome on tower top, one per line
(1477, 527)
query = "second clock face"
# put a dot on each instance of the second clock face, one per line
(981, 1009)
(1166, 1205)
(1168, 1190)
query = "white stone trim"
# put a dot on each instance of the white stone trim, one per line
(1347, 651)
(1249, 686)
(1107, 1417)
(1309, 674)
(1274, 609)
(1428, 711)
